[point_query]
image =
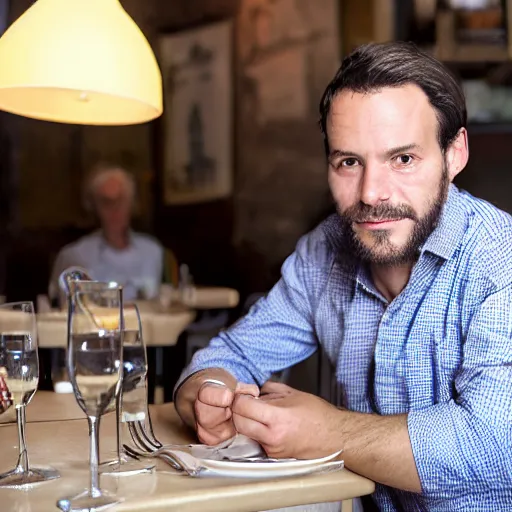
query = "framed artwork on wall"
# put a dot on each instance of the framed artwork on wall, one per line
(197, 145)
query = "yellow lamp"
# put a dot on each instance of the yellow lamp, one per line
(79, 61)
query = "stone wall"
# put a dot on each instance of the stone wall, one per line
(287, 52)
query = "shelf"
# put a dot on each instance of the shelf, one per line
(448, 49)
(476, 53)
(480, 128)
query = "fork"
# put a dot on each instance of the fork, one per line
(135, 454)
(147, 443)
(183, 462)
(137, 428)
(141, 438)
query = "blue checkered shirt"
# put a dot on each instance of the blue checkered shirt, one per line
(442, 349)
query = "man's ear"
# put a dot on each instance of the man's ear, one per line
(457, 154)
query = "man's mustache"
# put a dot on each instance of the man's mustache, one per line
(362, 212)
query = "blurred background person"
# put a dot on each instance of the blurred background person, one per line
(113, 252)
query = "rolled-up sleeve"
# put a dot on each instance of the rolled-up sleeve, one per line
(464, 446)
(277, 332)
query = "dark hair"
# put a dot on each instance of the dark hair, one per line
(377, 65)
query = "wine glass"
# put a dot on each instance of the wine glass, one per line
(95, 358)
(131, 403)
(19, 375)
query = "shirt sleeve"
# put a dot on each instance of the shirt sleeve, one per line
(465, 445)
(277, 332)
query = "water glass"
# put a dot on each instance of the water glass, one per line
(19, 377)
(95, 358)
(131, 403)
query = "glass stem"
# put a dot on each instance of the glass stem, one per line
(21, 420)
(94, 439)
(119, 407)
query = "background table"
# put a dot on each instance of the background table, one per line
(160, 328)
(64, 444)
(210, 297)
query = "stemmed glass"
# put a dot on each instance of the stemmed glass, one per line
(131, 401)
(19, 372)
(95, 358)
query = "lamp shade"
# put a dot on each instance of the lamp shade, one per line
(79, 61)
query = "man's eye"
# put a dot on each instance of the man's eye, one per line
(404, 159)
(349, 162)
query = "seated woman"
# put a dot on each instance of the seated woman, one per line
(114, 252)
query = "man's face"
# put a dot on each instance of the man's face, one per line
(113, 205)
(387, 173)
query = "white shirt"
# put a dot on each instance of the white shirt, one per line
(137, 268)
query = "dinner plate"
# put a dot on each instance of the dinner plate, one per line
(269, 469)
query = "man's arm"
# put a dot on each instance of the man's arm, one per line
(457, 447)
(277, 332)
(379, 448)
(290, 423)
(465, 445)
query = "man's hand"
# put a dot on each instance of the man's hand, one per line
(288, 423)
(206, 407)
(213, 414)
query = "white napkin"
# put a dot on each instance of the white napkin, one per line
(235, 448)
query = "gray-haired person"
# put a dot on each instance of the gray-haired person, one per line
(113, 252)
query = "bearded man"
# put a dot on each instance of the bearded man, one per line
(408, 289)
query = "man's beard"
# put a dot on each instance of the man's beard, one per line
(382, 251)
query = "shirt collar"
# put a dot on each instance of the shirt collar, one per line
(452, 225)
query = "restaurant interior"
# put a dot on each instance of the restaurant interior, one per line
(233, 172)
(273, 160)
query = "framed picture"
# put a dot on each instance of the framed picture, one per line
(197, 69)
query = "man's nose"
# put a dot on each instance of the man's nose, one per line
(375, 186)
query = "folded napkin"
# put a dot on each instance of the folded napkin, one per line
(237, 447)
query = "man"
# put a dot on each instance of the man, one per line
(113, 253)
(409, 291)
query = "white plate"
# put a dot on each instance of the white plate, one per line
(264, 469)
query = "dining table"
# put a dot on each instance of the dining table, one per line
(57, 435)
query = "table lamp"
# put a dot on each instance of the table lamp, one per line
(79, 62)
